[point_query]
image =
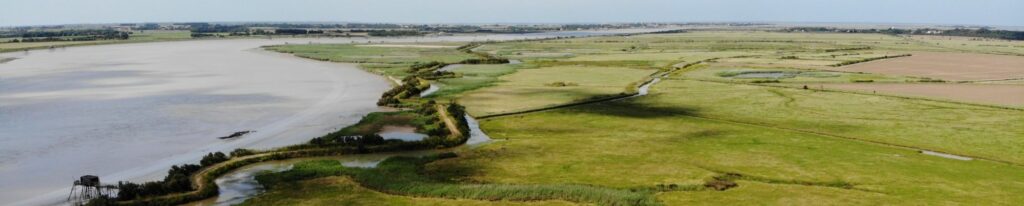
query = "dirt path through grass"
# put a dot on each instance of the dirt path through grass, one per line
(449, 123)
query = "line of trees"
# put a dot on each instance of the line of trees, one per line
(867, 60)
(215, 28)
(178, 179)
(65, 35)
(411, 86)
(394, 33)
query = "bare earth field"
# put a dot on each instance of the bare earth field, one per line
(947, 66)
(1002, 94)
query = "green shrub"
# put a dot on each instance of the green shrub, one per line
(867, 60)
(765, 81)
(242, 152)
(562, 84)
(213, 158)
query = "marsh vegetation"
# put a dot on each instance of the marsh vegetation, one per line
(727, 119)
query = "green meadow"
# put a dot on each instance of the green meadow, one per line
(391, 61)
(718, 129)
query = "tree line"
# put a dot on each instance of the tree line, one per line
(65, 35)
(178, 179)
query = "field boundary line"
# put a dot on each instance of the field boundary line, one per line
(605, 99)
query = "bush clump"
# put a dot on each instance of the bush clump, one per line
(242, 152)
(212, 159)
(562, 84)
(765, 81)
(177, 180)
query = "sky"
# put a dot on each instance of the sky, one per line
(960, 12)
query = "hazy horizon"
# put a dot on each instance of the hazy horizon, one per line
(938, 12)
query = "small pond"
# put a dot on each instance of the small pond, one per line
(404, 133)
(769, 75)
(433, 88)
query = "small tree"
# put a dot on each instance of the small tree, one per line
(213, 158)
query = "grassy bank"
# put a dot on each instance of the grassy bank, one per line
(342, 190)
(392, 61)
(404, 176)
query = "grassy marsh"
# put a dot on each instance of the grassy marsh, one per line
(782, 146)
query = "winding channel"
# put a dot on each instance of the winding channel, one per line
(240, 185)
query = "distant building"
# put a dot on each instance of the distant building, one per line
(122, 28)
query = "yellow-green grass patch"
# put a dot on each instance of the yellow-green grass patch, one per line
(659, 139)
(373, 54)
(341, 190)
(535, 88)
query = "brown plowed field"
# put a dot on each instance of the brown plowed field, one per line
(947, 66)
(1000, 94)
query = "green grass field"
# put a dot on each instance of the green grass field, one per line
(391, 61)
(473, 77)
(781, 145)
(535, 88)
(368, 54)
(339, 190)
(978, 131)
(658, 144)
(405, 175)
